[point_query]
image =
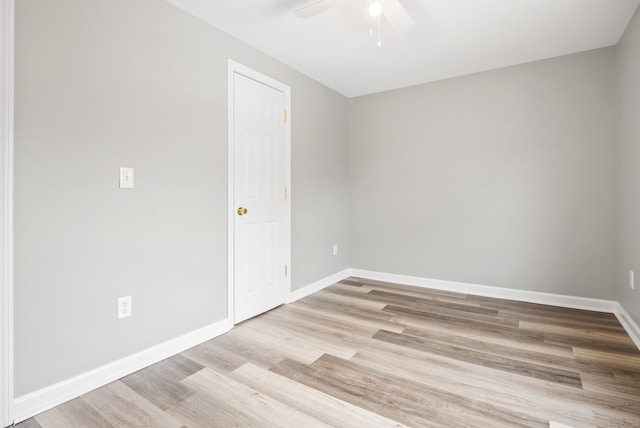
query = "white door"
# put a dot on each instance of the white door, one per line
(260, 206)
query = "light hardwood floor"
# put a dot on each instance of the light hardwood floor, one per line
(370, 354)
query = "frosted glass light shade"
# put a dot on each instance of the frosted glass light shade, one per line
(375, 8)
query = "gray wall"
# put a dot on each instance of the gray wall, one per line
(502, 178)
(102, 84)
(628, 151)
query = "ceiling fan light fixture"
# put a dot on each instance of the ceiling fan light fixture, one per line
(375, 8)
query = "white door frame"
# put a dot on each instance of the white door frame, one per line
(6, 211)
(235, 67)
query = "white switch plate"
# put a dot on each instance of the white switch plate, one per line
(124, 307)
(632, 284)
(126, 178)
(335, 249)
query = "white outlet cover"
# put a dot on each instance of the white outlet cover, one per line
(126, 178)
(124, 307)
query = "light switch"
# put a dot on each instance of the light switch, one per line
(126, 178)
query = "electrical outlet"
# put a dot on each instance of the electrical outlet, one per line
(335, 249)
(632, 285)
(126, 178)
(124, 307)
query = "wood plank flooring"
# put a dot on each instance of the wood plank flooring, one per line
(371, 354)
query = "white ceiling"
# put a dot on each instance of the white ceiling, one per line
(451, 38)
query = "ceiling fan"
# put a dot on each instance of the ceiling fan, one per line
(392, 10)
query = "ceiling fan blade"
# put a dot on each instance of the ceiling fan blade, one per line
(314, 8)
(397, 16)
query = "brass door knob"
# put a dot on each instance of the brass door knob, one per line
(242, 211)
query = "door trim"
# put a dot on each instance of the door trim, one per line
(234, 67)
(6, 209)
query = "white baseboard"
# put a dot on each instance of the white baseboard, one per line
(318, 285)
(44, 399)
(598, 305)
(628, 323)
(39, 401)
(36, 402)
